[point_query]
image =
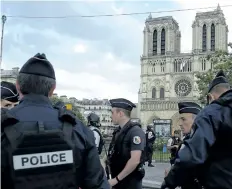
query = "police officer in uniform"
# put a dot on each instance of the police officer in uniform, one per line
(127, 157)
(94, 124)
(35, 83)
(187, 114)
(173, 145)
(9, 95)
(207, 150)
(150, 139)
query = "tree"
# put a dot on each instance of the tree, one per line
(220, 60)
(75, 110)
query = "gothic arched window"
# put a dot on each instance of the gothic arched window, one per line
(154, 93)
(155, 42)
(204, 38)
(212, 37)
(163, 41)
(162, 93)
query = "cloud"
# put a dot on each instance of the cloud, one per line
(93, 57)
(80, 48)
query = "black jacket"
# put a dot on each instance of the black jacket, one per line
(208, 152)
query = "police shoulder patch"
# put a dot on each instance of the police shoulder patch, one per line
(136, 140)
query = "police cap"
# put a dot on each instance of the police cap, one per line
(122, 103)
(9, 92)
(38, 65)
(189, 107)
(219, 78)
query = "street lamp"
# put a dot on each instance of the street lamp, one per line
(3, 23)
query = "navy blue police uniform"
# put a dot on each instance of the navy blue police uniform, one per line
(193, 108)
(77, 167)
(131, 137)
(207, 152)
(150, 140)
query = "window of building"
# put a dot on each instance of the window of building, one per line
(154, 93)
(153, 69)
(212, 37)
(203, 64)
(204, 38)
(155, 42)
(162, 67)
(163, 41)
(162, 93)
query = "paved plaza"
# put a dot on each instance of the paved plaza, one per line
(154, 175)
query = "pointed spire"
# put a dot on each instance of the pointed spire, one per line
(150, 16)
(218, 7)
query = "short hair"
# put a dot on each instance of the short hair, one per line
(30, 83)
(220, 88)
(194, 116)
(126, 112)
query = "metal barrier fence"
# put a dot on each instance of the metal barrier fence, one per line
(160, 154)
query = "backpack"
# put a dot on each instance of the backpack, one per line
(101, 143)
(37, 157)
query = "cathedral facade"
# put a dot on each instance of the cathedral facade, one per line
(169, 76)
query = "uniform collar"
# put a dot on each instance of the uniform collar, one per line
(125, 126)
(35, 98)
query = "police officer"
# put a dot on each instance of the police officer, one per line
(9, 95)
(127, 157)
(173, 145)
(94, 124)
(36, 82)
(206, 151)
(187, 114)
(150, 139)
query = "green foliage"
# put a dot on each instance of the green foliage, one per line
(159, 143)
(75, 110)
(220, 60)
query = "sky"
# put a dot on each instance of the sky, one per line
(93, 57)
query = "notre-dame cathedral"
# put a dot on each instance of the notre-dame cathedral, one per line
(167, 75)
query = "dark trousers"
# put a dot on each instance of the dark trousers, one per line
(130, 184)
(149, 157)
(149, 152)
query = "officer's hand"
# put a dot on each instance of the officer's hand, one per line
(166, 172)
(113, 182)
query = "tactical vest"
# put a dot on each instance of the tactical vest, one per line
(124, 155)
(37, 157)
(101, 142)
